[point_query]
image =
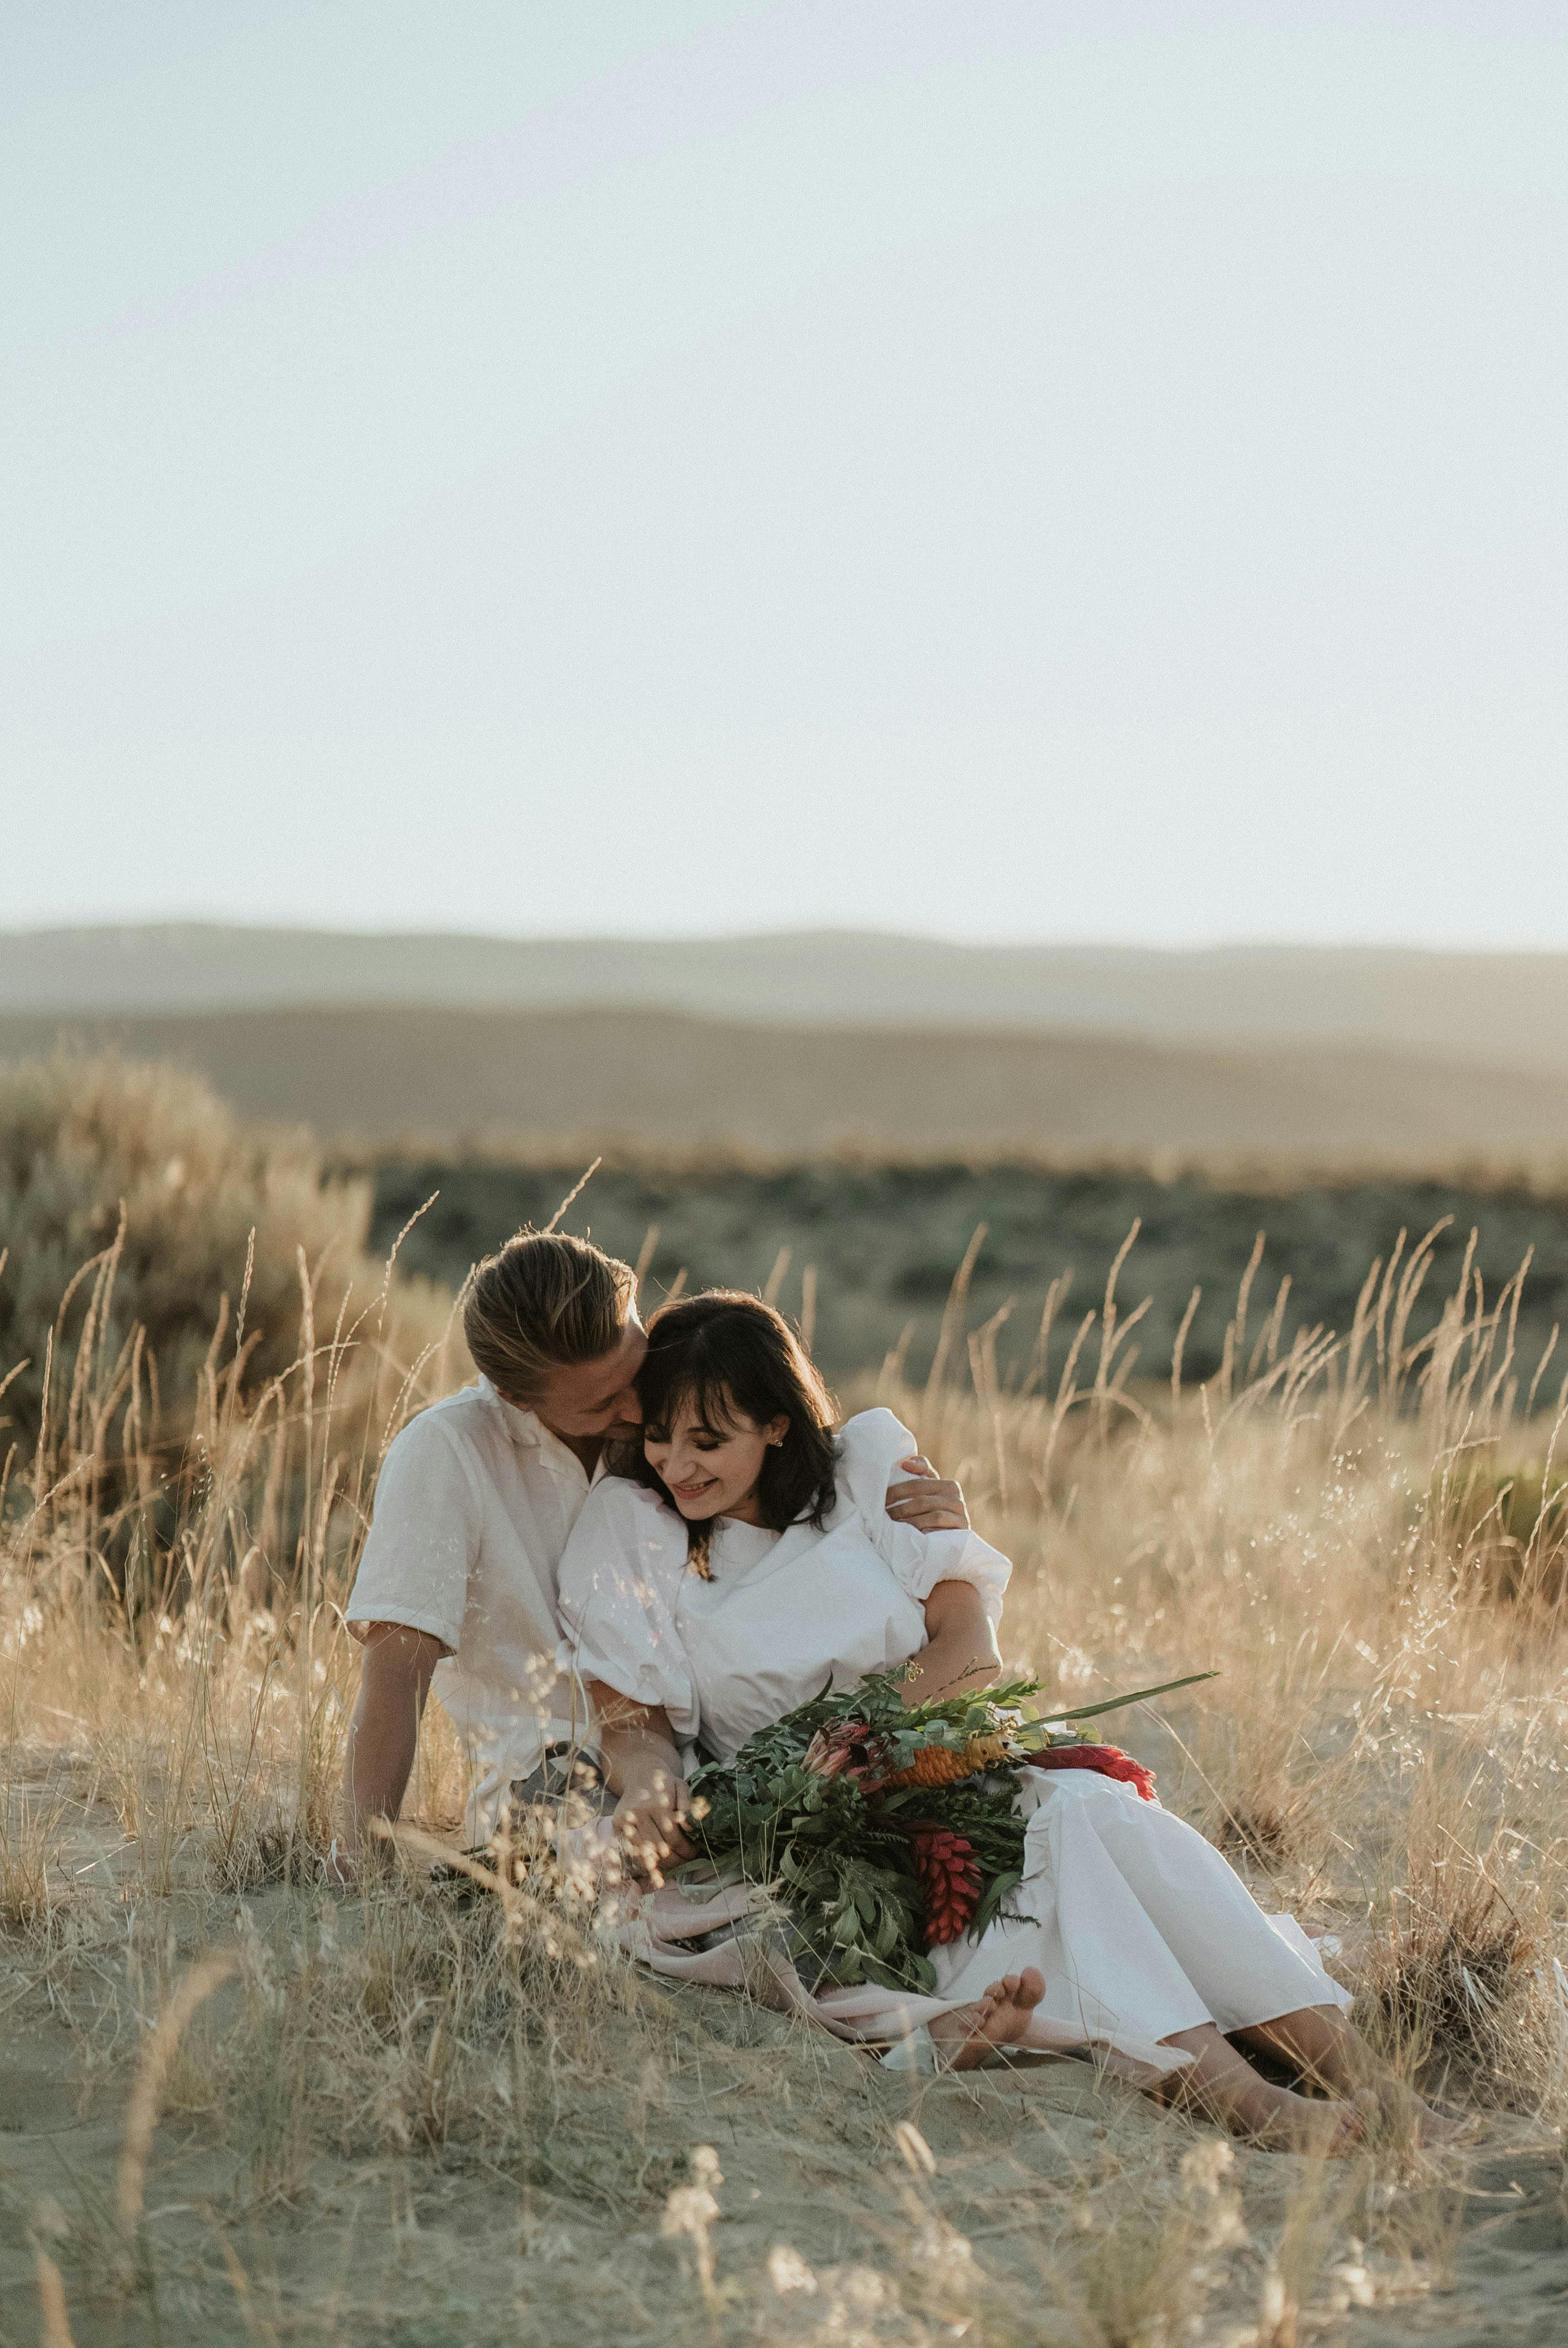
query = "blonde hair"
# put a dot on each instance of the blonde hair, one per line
(544, 1302)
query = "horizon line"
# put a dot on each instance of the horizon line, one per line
(147, 926)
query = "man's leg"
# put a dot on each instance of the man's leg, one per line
(1222, 2084)
(1321, 2045)
(564, 1771)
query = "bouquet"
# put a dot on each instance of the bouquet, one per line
(886, 1829)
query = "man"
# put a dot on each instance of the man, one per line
(457, 1586)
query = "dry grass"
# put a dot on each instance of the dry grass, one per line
(422, 2116)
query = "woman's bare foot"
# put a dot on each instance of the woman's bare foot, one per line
(970, 2034)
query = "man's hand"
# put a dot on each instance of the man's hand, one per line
(929, 1502)
(648, 1822)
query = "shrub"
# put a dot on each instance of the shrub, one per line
(131, 1199)
(1509, 1525)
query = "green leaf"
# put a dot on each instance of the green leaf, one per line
(989, 1906)
(1115, 1703)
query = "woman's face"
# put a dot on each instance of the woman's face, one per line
(710, 1471)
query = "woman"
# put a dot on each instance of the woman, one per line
(744, 1557)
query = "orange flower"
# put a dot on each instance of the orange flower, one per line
(943, 1764)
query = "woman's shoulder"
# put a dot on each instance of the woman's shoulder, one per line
(624, 1539)
(622, 1501)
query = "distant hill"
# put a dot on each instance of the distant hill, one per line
(1487, 1009)
(399, 1076)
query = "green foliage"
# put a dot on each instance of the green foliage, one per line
(860, 1920)
(886, 1240)
(1509, 1520)
(837, 1849)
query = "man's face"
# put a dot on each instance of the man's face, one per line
(596, 1401)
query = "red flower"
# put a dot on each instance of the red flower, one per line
(1109, 1759)
(949, 1881)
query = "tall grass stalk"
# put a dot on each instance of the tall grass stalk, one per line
(1322, 1522)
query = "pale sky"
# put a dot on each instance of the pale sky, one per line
(1015, 469)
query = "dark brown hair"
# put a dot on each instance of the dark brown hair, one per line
(724, 1352)
(544, 1302)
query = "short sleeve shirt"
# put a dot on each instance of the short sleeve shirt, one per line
(472, 1510)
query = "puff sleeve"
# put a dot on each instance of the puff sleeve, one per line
(873, 1444)
(619, 1575)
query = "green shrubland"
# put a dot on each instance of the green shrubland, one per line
(880, 1246)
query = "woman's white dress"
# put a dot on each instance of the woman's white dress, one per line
(1139, 1926)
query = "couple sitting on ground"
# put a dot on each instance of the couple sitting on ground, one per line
(651, 1544)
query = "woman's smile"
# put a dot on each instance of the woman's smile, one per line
(710, 1471)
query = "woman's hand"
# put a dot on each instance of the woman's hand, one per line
(931, 1503)
(648, 1822)
(637, 1753)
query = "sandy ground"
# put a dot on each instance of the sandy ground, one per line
(1059, 2209)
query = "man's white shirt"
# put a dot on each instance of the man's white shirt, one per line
(473, 1509)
